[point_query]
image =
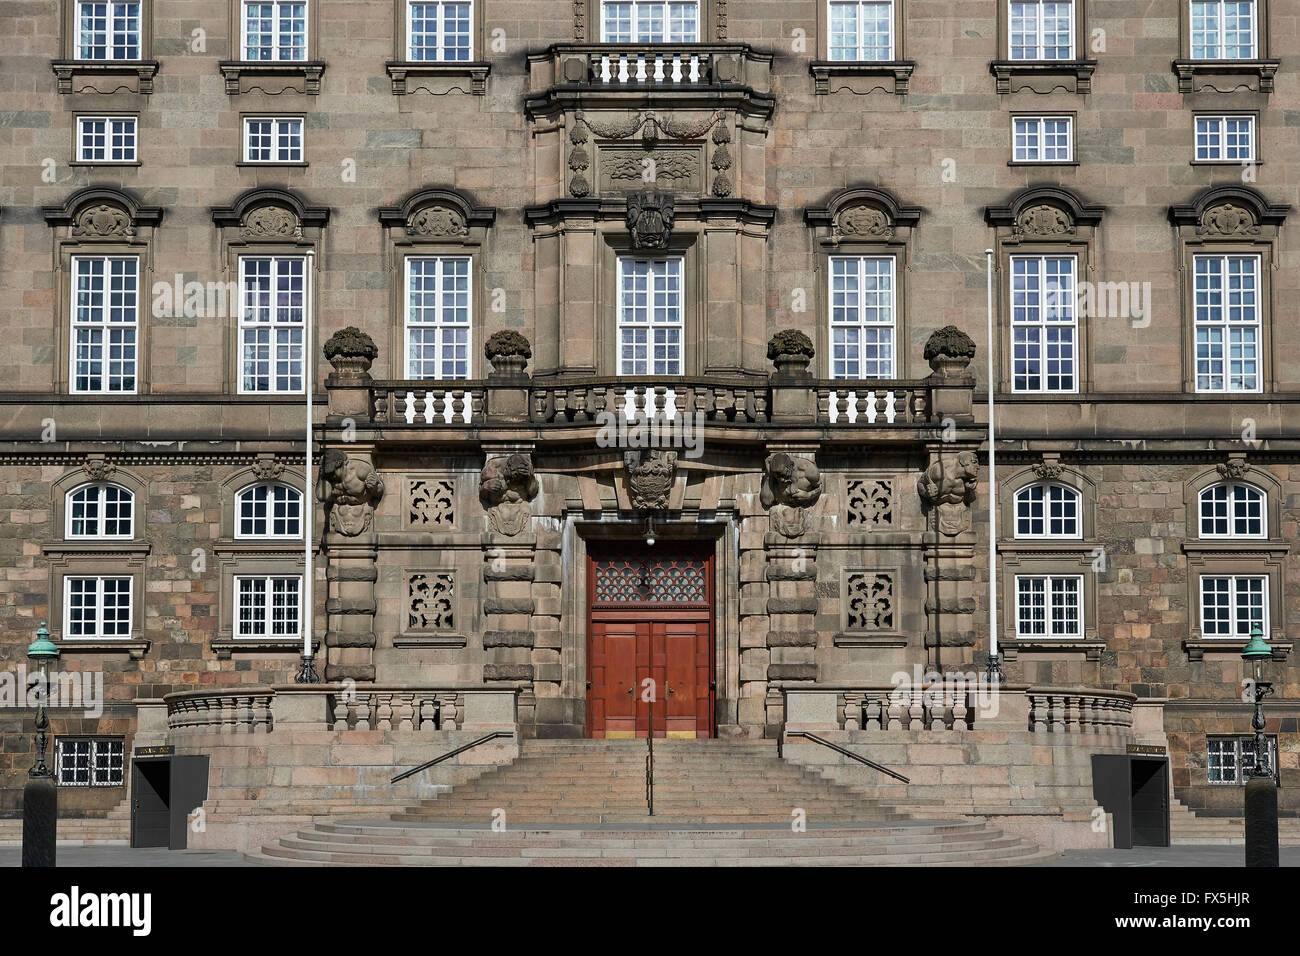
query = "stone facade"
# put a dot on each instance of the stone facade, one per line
(455, 519)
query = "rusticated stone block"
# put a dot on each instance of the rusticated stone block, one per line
(517, 572)
(792, 672)
(507, 638)
(792, 639)
(961, 572)
(791, 605)
(786, 571)
(357, 672)
(495, 605)
(345, 639)
(494, 672)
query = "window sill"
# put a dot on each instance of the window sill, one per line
(68, 71)
(258, 546)
(253, 645)
(236, 71)
(1047, 546)
(1043, 76)
(851, 639)
(1235, 163)
(429, 640)
(1042, 162)
(900, 71)
(107, 548)
(1197, 648)
(476, 71)
(1236, 546)
(1091, 650)
(246, 164)
(1220, 76)
(91, 163)
(136, 648)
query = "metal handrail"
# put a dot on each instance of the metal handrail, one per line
(848, 753)
(451, 753)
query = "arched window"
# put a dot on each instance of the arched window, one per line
(100, 510)
(1233, 510)
(268, 510)
(1048, 511)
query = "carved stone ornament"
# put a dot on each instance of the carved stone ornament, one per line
(669, 168)
(1227, 219)
(97, 469)
(272, 222)
(1044, 220)
(102, 221)
(507, 485)
(650, 218)
(1048, 470)
(948, 487)
(864, 221)
(650, 478)
(350, 490)
(1234, 468)
(791, 486)
(437, 222)
(267, 468)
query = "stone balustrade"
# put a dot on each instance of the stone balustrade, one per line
(244, 711)
(873, 403)
(633, 398)
(427, 403)
(396, 709)
(1077, 710)
(649, 65)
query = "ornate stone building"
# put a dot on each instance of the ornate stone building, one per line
(583, 276)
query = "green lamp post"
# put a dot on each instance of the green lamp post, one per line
(1256, 652)
(40, 652)
(1261, 790)
(40, 796)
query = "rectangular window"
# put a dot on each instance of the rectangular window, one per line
(267, 606)
(1227, 323)
(1232, 604)
(1049, 605)
(90, 761)
(273, 139)
(649, 21)
(1044, 324)
(105, 323)
(1041, 30)
(275, 30)
(96, 608)
(1043, 139)
(272, 315)
(108, 31)
(1225, 139)
(106, 139)
(439, 31)
(1231, 759)
(438, 324)
(650, 317)
(1223, 30)
(863, 316)
(861, 30)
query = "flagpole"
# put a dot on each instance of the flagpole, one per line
(307, 673)
(994, 672)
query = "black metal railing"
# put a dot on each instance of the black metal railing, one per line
(848, 753)
(451, 753)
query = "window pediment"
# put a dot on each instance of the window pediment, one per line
(270, 215)
(1045, 213)
(438, 215)
(1230, 212)
(102, 214)
(863, 214)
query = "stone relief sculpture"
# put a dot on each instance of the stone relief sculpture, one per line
(948, 486)
(650, 218)
(1044, 220)
(650, 478)
(350, 490)
(1227, 220)
(102, 221)
(507, 485)
(437, 222)
(272, 222)
(790, 487)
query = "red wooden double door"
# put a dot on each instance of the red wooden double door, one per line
(650, 649)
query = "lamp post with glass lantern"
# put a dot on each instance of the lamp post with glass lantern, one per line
(1261, 789)
(40, 795)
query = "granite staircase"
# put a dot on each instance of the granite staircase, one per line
(1186, 827)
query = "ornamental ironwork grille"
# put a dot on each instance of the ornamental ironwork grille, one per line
(667, 578)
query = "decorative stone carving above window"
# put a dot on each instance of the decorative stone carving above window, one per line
(869, 601)
(438, 215)
(102, 213)
(267, 467)
(870, 503)
(271, 215)
(430, 503)
(1045, 212)
(650, 477)
(650, 218)
(430, 601)
(864, 215)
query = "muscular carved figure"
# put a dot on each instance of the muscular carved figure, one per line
(948, 486)
(790, 487)
(507, 485)
(350, 490)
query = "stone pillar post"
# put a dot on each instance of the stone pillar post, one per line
(947, 489)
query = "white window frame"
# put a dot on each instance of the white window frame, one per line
(1050, 605)
(115, 29)
(1234, 592)
(1220, 47)
(1039, 45)
(114, 749)
(650, 325)
(267, 606)
(280, 125)
(109, 134)
(443, 351)
(1204, 499)
(1220, 133)
(1024, 496)
(441, 35)
(1224, 325)
(638, 6)
(277, 38)
(295, 496)
(864, 305)
(1242, 745)
(104, 325)
(246, 325)
(99, 580)
(860, 47)
(1065, 301)
(101, 488)
(1039, 134)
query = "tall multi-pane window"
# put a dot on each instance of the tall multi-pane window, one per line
(267, 605)
(268, 511)
(1231, 759)
(649, 21)
(108, 31)
(1223, 30)
(1227, 323)
(96, 607)
(272, 316)
(1044, 324)
(863, 316)
(100, 511)
(1232, 510)
(275, 30)
(438, 327)
(273, 139)
(1047, 511)
(105, 323)
(861, 30)
(650, 317)
(1048, 605)
(1225, 139)
(1041, 29)
(1232, 604)
(106, 139)
(90, 761)
(439, 31)
(1042, 139)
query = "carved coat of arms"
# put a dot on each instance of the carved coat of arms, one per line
(650, 219)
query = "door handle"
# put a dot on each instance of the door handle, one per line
(588, 685)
